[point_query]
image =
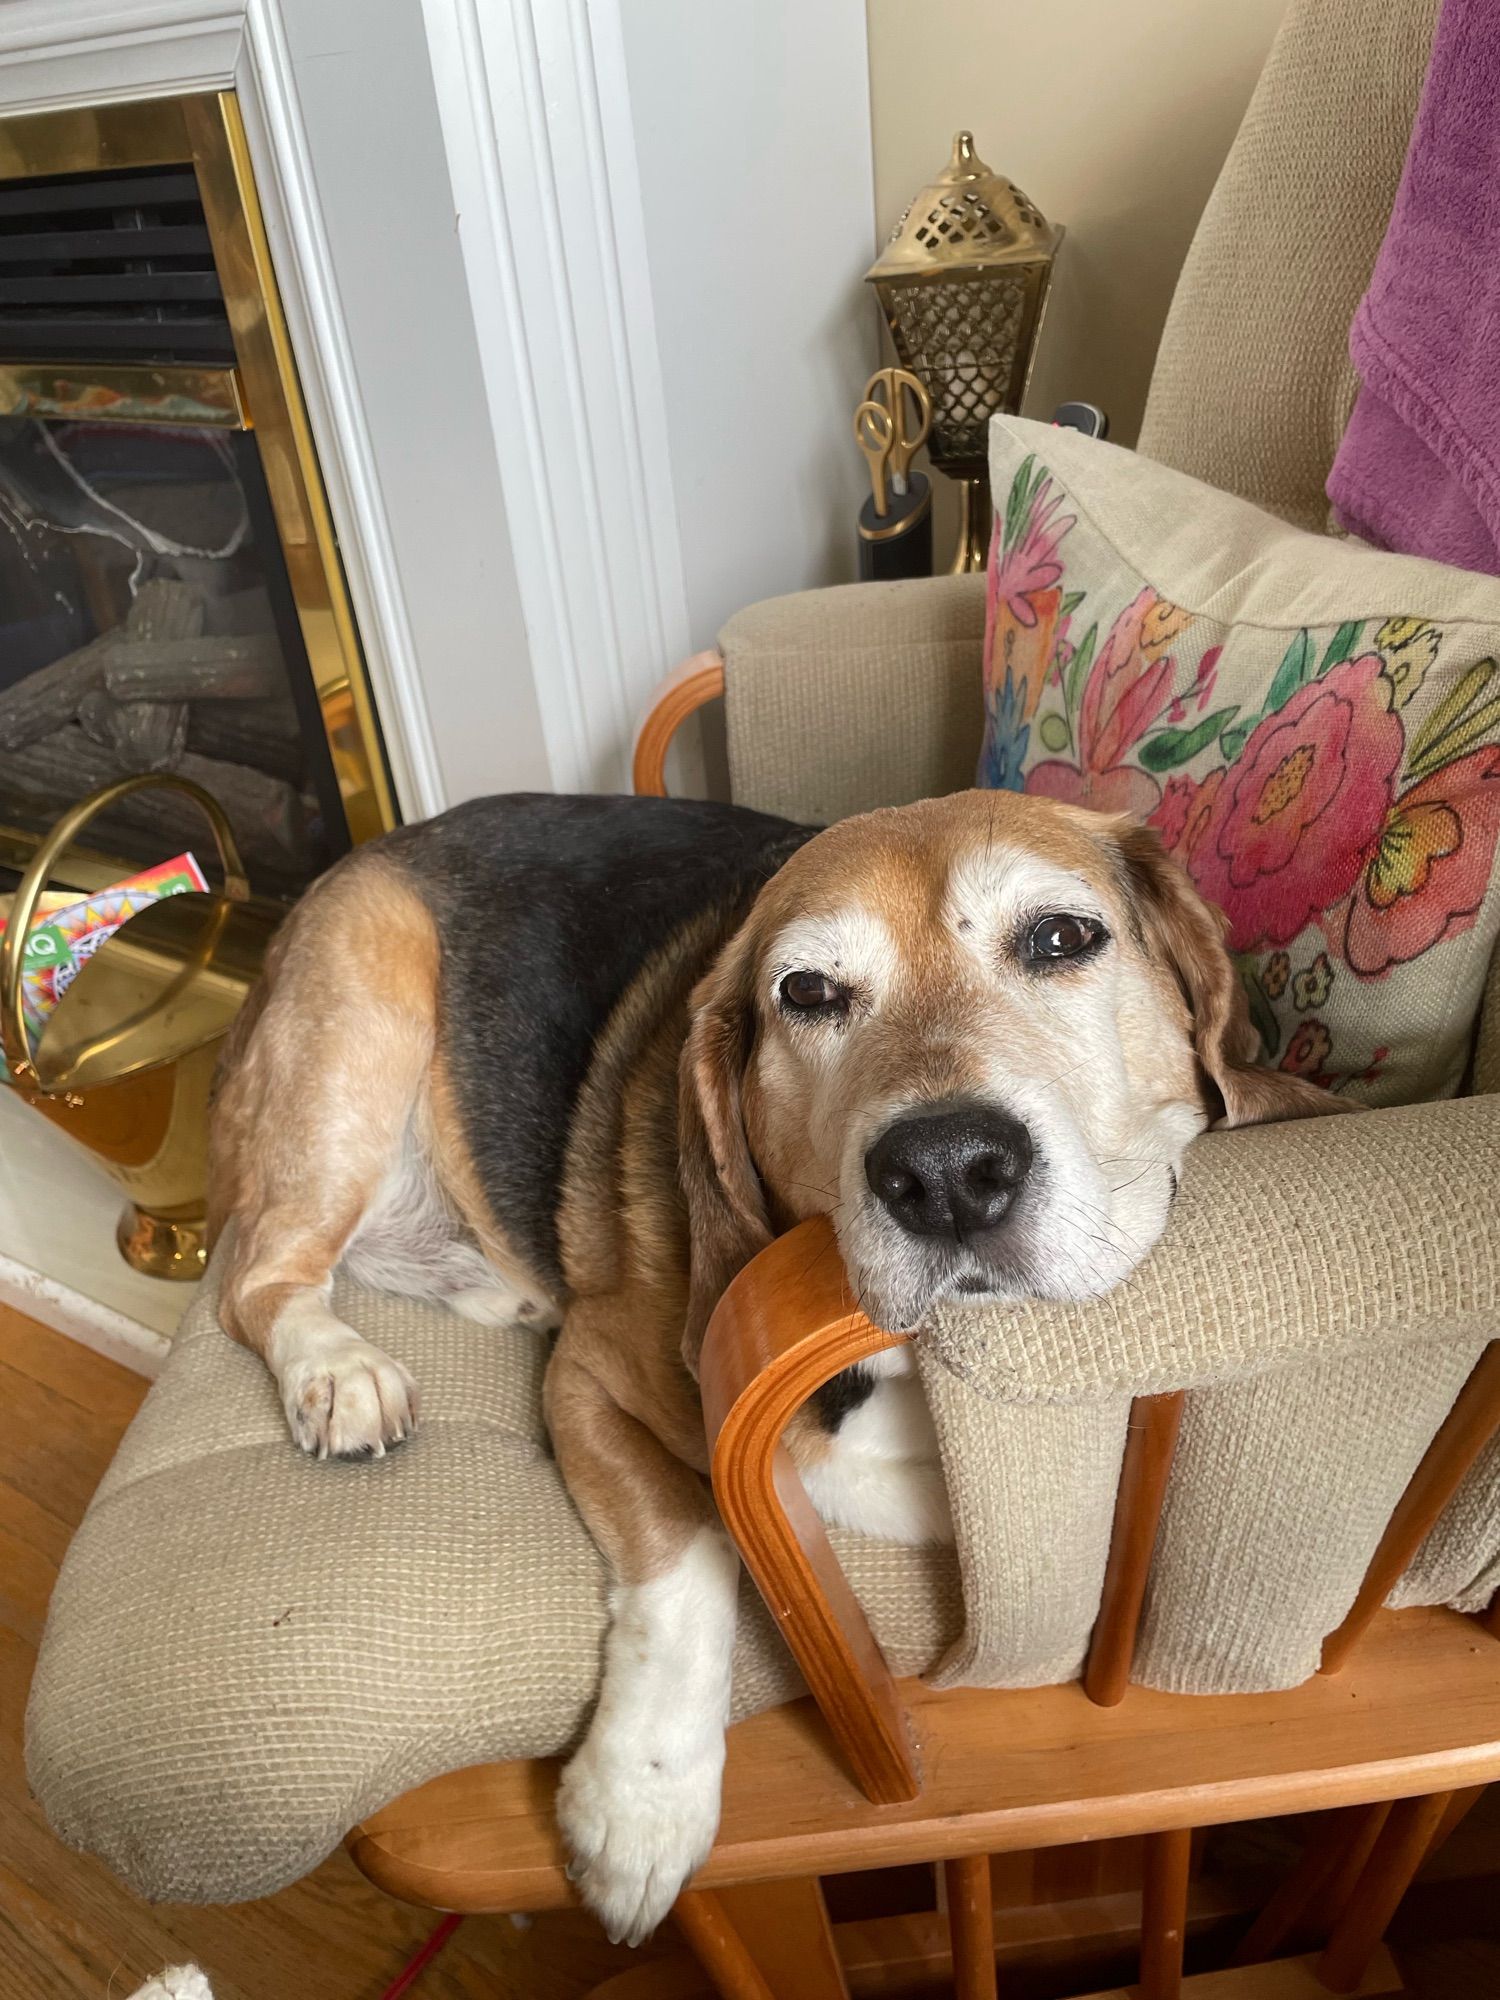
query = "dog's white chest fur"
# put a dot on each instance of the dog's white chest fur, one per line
(880, 1473)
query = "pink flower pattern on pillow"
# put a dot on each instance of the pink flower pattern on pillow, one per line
(1322, 806)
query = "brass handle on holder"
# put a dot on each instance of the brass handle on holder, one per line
(14, 1040)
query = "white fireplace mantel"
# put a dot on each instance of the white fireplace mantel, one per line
(573, 287)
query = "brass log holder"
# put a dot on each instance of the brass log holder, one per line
(124, 1063)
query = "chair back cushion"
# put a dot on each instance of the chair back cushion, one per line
(839, 701)
(1253, 383)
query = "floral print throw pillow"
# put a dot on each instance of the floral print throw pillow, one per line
(1313, 728)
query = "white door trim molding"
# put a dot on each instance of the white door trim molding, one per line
(325, 363)
(535, 108)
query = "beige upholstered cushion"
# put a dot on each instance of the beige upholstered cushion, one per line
(1033, 1492)
(248, 1650)
(1279, 1494)
(1253, 384)
(838, 701)
(1445, 1570)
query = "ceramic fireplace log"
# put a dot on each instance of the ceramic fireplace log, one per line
(130, 669)
(50, 697)
(143, 735)
(264, 734)
(194, 669)
(164, 610)
(269, 817)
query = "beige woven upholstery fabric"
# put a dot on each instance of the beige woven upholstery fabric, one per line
(1288, 1243)
(1033, 1493)
(248, 1651)
(1253, 384)
(838, 701)
(1280, 1492)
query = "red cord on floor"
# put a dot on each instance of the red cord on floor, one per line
(407, 1978)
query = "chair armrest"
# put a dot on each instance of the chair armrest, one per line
(782, 1329)
(681, 693)
(1287, 1242)
(1365, 1228)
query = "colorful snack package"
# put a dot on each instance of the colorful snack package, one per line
(69, 930)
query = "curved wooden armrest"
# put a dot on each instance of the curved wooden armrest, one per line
(782, 1329)
(686, 689)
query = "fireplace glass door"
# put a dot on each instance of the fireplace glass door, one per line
(146, 624)
(171, 593)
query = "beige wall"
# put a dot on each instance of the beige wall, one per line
(1113, 115)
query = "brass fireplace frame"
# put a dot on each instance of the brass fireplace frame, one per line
(207, 132)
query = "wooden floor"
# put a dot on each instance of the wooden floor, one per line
(69, 1931)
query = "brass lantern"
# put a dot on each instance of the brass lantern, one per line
(963, 282)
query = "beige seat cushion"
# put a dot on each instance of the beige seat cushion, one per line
(248, 1651)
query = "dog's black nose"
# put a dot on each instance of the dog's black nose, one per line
(950, 1173)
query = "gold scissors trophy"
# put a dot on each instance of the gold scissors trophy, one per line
(895, 523)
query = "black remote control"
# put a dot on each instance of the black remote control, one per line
(1085, 417)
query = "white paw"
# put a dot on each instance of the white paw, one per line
(345, 1399)
(636, 1830)
(896, 1500)
(178, 1982)
(497, 1305)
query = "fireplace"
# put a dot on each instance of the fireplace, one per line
(171, 596)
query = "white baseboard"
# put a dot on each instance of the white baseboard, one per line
(58, 1257)
(110, 1333)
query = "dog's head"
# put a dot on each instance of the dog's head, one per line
(978, 1033)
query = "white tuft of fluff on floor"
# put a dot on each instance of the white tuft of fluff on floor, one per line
(178, 1982)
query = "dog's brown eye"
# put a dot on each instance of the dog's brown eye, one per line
(810, 992)
(1061, 936)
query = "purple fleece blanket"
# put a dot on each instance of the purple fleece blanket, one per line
(1419, 466)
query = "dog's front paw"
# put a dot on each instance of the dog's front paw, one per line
(637, 1830)
(346, 1399)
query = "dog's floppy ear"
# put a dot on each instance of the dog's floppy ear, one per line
(727, 1219)
(1188, 934)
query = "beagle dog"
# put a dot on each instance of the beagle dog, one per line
(572, 1062)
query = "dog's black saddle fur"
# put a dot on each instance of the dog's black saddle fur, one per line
(546, 909)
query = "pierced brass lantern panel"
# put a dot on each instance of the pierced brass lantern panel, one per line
(963, 282)
(971, 343)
